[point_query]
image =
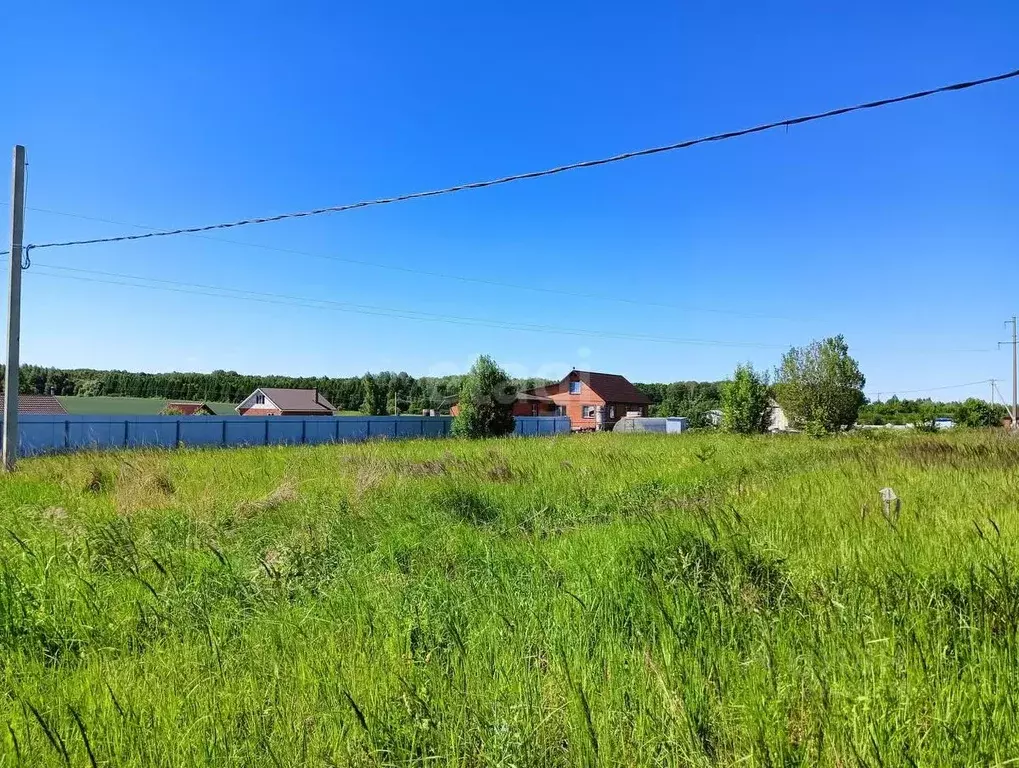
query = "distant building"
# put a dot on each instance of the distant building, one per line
(187, 408)
(777, 420)
(593, 400)
(672, 425)
(273, 401)
(37, 405)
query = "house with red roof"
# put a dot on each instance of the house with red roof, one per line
(594, 400)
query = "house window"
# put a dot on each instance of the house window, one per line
(612, 411)
(534, 409)
(560, 410)
(587, 412)
(574, 387)
(259, 399)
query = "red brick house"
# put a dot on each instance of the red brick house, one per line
(273, 401)
(593, 400)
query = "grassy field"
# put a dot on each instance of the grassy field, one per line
(128, 406)
(579, 600)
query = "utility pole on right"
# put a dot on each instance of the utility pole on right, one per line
(1015, 372)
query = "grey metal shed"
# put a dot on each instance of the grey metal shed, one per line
(669, 425)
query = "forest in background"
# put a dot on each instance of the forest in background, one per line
(688, 398)
(685, 398)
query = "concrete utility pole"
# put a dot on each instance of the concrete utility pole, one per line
(10, 442)
(1015, 375)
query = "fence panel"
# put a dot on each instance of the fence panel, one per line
(48, 434)
(205, 431)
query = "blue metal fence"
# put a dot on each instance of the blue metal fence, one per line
(51, 434)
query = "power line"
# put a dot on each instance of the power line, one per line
(550, 171)
(405, 314)
(218, 291)
(442, 275)
(928, 389)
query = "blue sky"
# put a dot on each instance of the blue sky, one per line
(893, 227)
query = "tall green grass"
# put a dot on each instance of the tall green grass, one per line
(582, 600)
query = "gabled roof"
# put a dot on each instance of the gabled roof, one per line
(187, 407)
(610, 387)
(304, 400)
(42, 405)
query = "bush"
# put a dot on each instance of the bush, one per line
(820, 383)
(486, 402)
(745, 402)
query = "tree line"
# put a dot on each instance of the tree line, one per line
(819, 386)
(972, 412)
(371, 393)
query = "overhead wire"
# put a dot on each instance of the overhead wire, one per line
(218, 291)
(116, 278)
(926, 389)
(446, 275)
(786, 123)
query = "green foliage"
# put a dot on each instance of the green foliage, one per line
(486, 402)
(372, 403)
(979, 413)
(688, 398)
(926, 419)
(745, 401)
(971, 413)
(691, 399)
(169, 411)
(347, 394)
(820, 384)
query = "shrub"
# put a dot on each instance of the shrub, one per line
(820, 383)
(745, 401)
(486, 402)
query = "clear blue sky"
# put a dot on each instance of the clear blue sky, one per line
(893, 227)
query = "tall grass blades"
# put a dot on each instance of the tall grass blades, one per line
(636, 600)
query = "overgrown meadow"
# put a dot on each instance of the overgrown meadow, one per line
(580, 600)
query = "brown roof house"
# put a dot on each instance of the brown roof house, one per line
(188, 408)
(36, 405)
(594, 400)
(272, 401)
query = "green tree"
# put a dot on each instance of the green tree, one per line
(745, 401)
(485, 408)
(820, 385)
(974, 412)
(925, 419)
(372, 403)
